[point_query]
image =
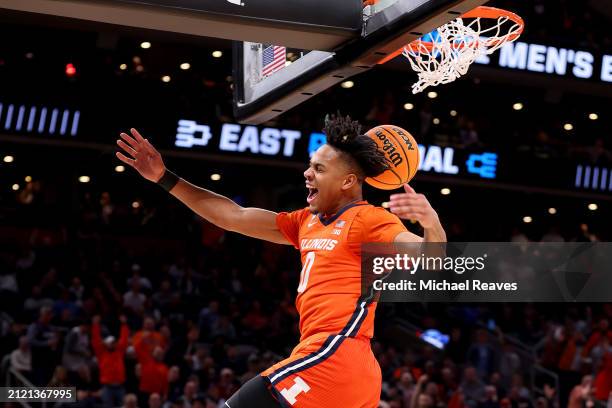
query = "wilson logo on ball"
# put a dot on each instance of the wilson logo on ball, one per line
(388, 147)
(402, 154)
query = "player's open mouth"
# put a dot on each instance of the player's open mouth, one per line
(312, 194)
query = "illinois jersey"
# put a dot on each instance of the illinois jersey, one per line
(336, 321)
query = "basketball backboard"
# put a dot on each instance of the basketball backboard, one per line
(269, 80)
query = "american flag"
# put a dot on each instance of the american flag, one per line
(273, 59)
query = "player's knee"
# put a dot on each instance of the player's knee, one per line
(254, 393)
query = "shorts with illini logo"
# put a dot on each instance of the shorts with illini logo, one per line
(327, 371)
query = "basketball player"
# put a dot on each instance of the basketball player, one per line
(333, 365)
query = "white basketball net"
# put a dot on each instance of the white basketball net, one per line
(457, 46)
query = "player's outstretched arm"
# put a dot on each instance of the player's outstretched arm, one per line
(413, 206)
(140, 154)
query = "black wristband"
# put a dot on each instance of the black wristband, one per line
(168, 180)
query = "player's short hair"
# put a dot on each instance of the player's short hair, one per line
(361, 151)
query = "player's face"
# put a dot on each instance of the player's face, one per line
(325, 178)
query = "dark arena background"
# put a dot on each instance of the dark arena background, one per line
(520, 149)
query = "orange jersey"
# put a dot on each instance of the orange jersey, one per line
(329, 297)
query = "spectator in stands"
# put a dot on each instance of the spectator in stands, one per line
(208, 318)
(601, 330)
(596, 154)
(77, 290)
(190, 391)
(448, 385)
(153, 375)
(155, 400)
(50, 284)
(227, 384)
(500, 387)
(419, 398)
(129, 401)
(473, 389)
(224, 328)
(253, 368)
(144, 282)
(585, 235)
(189, 284)
(164, 297)
(255, 321)
(66, 309)
(146, 340)
(134, 300)
(77, 353)
(111, 354)
(21, 357)
(581, 393)
(603, 379)
(481, 354)
(406, 387)
(174, 384)
(491, 399)
(182, 350)
(509, 363)
(44, 342)
(518, 391)
(9, 289)
(36, 301)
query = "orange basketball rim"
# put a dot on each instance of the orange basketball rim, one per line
(494, 38)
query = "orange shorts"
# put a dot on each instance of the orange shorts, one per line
(327, 371)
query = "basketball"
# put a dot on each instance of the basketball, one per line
(402, 153)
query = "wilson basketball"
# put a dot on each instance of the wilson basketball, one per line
(402, 154)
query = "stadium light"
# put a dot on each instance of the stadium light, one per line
(185, 66)
(527, 219)
(166, 78)
(119, 169)
(15, 187)
(445, 191)
(593, 116)
(408, 106)
(215, 177)
(70, 70)
(29, 55)
(28, 179)
(347, 84)
(217, 54)
(135, 204)
(145, 45)
(436, 121)
(568, 126)
(552, 210)
(517, 106)
(8, 159)
(84, 179)
(453, 113)
(432, 95)
(593, 207)
(123, 67)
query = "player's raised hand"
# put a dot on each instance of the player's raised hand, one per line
(141, 155)
(413, 206)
